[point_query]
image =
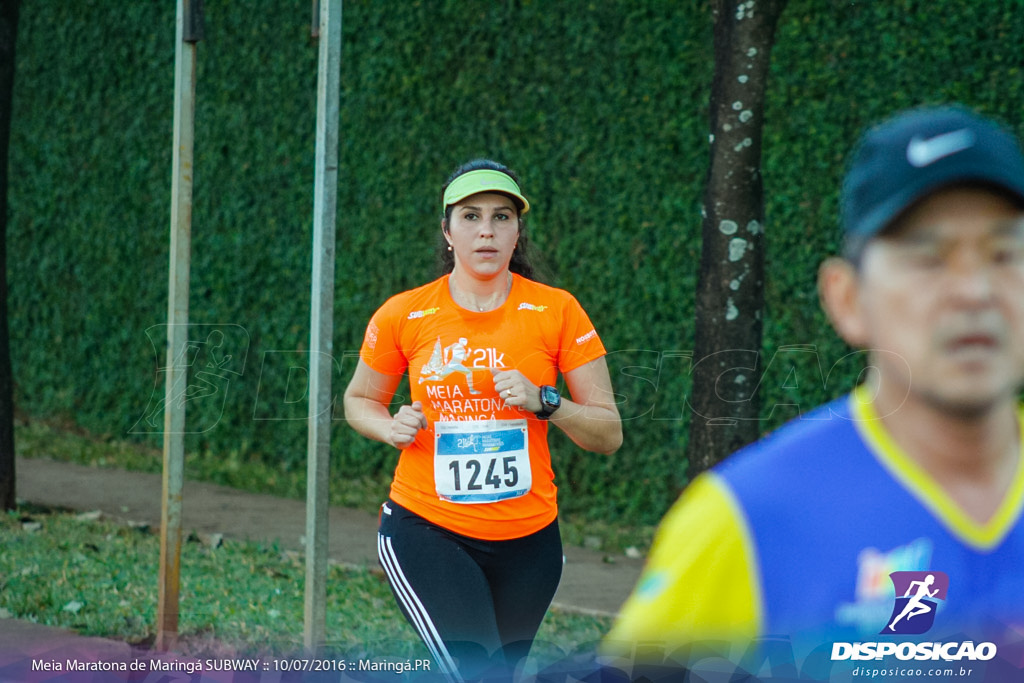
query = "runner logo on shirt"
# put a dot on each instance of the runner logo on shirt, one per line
(460, 358)
(443, 363)
(873, 591)
(917, 594)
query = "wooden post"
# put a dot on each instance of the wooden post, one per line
(321, 360)
(189, 30)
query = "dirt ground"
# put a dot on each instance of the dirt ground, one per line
(592, 582)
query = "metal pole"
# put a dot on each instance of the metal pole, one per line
(189, 30)
(322, 324)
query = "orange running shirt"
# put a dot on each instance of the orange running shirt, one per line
(448, 352)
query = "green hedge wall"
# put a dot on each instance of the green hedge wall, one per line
(602, 109)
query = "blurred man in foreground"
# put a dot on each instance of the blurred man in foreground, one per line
(814, 534)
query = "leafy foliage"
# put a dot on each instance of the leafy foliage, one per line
(601, 108)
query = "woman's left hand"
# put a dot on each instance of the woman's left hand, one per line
(516, 390)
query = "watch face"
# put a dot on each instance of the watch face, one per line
(549, 397)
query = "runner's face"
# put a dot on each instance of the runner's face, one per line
(482, 231)
(943, 293)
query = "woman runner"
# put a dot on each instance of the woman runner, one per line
(469, 535)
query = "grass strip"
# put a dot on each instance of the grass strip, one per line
(81, 572)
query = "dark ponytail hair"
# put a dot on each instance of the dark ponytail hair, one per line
(520, 263)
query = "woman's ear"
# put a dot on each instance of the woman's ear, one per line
(839, 292)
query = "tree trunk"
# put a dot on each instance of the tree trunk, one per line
(8, 36)
(730, 290)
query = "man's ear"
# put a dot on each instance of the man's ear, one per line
(839, 293)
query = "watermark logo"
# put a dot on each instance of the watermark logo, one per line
(917, 596)
(211, 358)
(917, 599)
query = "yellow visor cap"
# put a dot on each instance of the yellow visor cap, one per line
(483, 180)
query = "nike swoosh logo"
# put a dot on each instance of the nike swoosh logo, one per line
(922, 153)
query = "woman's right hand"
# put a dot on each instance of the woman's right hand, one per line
(406, 423)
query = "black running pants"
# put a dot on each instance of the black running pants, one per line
(476, 604)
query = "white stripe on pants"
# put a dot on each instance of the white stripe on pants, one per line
(411, 602)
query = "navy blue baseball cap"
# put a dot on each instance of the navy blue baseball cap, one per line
(918, 152)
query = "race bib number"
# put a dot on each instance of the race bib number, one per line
(481, 462)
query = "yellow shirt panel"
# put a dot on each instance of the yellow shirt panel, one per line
(701, 579)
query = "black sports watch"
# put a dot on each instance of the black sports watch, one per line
(550, 401)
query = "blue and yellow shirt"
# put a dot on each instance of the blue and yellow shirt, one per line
(798, 533)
